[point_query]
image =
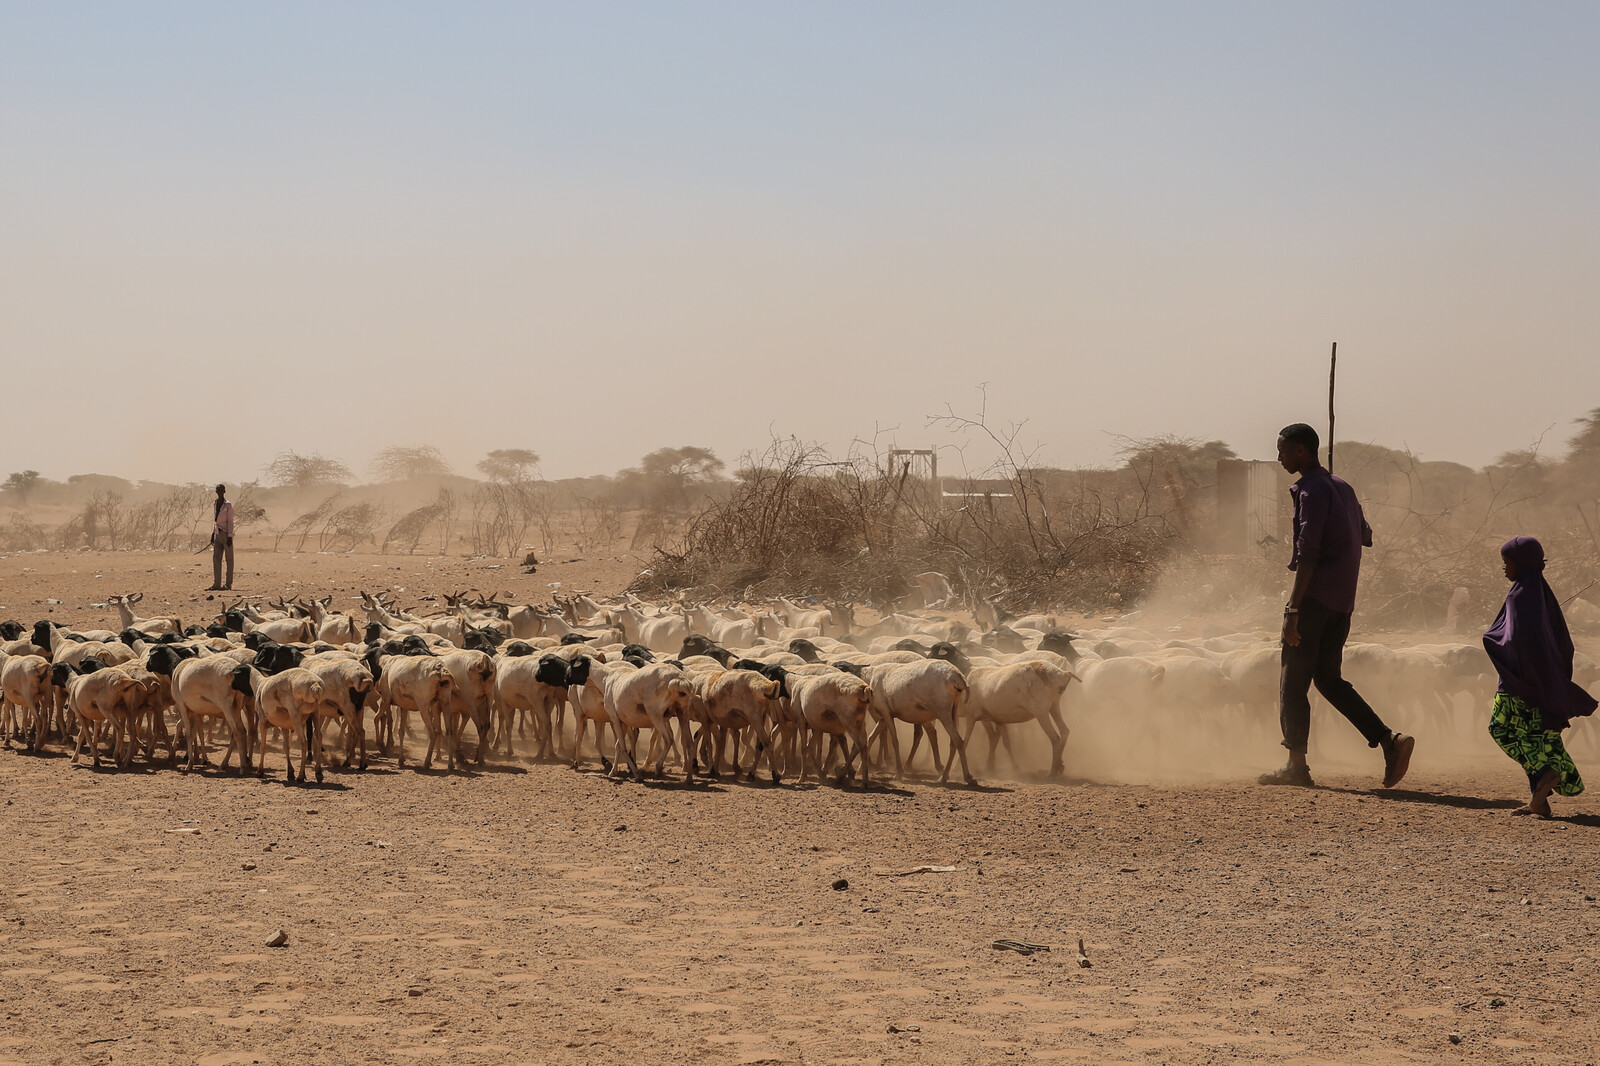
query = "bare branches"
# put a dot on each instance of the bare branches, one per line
(400, 463)
(800, 520)
(305, 471)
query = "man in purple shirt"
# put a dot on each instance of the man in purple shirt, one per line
(1329, 533)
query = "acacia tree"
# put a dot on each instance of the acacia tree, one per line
(1582, 466)
(665, 478)
(1587, 440)
(21, 484)
(305, 471)
(399, 463)
(509, 464)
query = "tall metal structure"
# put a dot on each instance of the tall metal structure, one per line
(914, 462)
(1253, 506)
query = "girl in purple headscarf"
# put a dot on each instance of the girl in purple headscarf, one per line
(1537, 698)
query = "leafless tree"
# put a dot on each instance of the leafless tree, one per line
(400, 463)
(292, 469)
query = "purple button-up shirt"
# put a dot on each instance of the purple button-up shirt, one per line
(1329, 532)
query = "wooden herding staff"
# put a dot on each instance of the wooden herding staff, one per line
(1333, 370)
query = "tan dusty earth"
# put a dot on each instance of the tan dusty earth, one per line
(529, 913)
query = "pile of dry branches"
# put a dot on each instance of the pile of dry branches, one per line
(799, 521)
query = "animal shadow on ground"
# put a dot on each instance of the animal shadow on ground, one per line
(760, 783)
(109, 766)
(489, 768)
(673, 784)
(1436, 799)
(875, 790)
(40, 752)
(961, 786)
(310, 784)
(852, 788)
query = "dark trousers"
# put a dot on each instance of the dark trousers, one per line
(1320, 658)
(221, 549)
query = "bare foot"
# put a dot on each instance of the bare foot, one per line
(1539, 805)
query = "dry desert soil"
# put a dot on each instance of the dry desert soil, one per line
(529, 913)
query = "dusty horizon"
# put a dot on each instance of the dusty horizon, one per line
(954, 449)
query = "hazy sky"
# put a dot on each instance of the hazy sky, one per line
(594, 229)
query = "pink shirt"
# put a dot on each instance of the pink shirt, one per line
(225, 519)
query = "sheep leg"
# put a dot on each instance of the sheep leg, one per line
(555, 723)
(916, 742)
(958, 748)
(716, 737)
(538, 716)
(811, 754)
(430, 720)
(804, 744)
(855, 745)
(687, 744)
(660, 742)
(126, 740)
(358, 738)
(189, 748)
(313, 740)
(887, 736)
(994, 732)
(549, 722)
(1061, 724)
(452, 736)
(1057, 743)
(626, 749)
(878, 740)
(577, 741)
(840, 744)
(764, 748)
(926, 729)
(833, 750)
(1011, 751)
(160, 734)
(508, 716)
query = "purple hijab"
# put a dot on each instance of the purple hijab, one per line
(1529, 643)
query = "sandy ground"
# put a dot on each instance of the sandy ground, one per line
(530, 913)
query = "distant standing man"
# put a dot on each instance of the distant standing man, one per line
(221, 540)
(1329, 533)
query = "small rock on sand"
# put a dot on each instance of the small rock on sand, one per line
(279, 939)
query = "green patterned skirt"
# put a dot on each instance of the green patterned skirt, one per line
(1520, 732)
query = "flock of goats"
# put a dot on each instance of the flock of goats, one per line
(730, 688)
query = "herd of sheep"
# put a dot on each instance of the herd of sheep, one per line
(752, 690)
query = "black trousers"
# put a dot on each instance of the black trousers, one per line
(1320, 659)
